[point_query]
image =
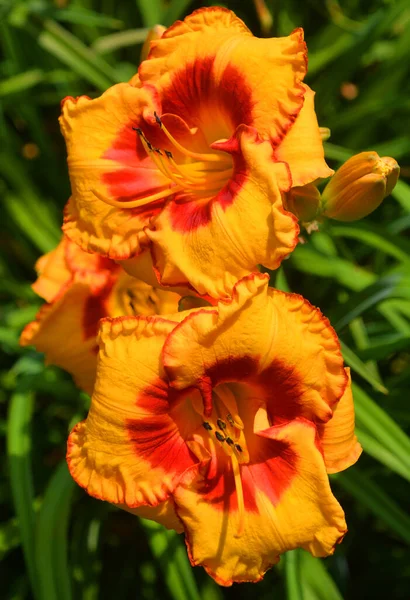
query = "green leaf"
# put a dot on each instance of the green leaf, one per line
(73, 53)
(51, 537)
(292, 575)
(371, 495)
(359, 367)
(21, 83)
(374, 420)
(316, 582)
(171, 555)
(402, 194)
(382, 350)
(377, 237)
(175, 10)
(385, 287)
(122, 39)
(151, 12)
(19, 459)
(375, 449)
(9, 536)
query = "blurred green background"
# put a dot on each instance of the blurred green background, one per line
(55, 542)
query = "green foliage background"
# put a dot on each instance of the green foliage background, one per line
(55, 542)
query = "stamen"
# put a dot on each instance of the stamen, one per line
(239, 495)
(238, 447)
(140, 201)
(229, 441)
(207, 426)
(219, 436)
(221, 424)
(208, 157)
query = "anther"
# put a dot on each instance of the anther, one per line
(219, 436)
(229, 441)
(158, 151)
(158, 120)
(230, 420)
(207, 426)
(150, 146)
(221, 424)
(238, 447)
(168, 154)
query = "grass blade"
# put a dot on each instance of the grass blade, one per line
(371, 495)
(19, 451)
(51, 537)
(292, 575)
(373, 419)
(171, 555)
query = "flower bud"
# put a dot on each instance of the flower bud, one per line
(153, 34)
(359, 186)
(304, 202)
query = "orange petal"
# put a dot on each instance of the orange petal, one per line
(164, 514)
(66, 332)
(306, 514)
(200, 66)
(302, 147)
(131, 296)
(53, 272)
(277, 343)
(105, 156)
(131, 448)
(242, 226)
(339, 442)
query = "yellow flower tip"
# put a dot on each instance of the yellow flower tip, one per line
(304, 202)
(359, 186)
(153, 34)
(324, 133)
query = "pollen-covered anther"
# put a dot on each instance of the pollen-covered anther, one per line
(219, 436)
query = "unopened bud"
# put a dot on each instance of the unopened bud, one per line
(359, 186)
(153, 34)
(304, 202)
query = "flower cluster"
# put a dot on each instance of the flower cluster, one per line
(219, 404)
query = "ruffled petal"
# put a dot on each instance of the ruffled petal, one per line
(302, 147)
(53, 273)
(276, 342)
(106, 160)
(305, 514)
(66, 330)
(131, 449)
(164, 514)
(339, 442)
(202, 65)
(242, 226)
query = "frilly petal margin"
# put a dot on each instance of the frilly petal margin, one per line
(129, 450)
(267, 72)
(306, 516)
(101, 146)
(243, 226)
(66, 329)
(291, 351)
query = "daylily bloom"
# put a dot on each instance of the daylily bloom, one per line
(224, 423)
(192, 156)
(80, 289)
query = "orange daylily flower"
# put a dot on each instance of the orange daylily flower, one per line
(224, 421)
(80, 289)
(192, 156)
